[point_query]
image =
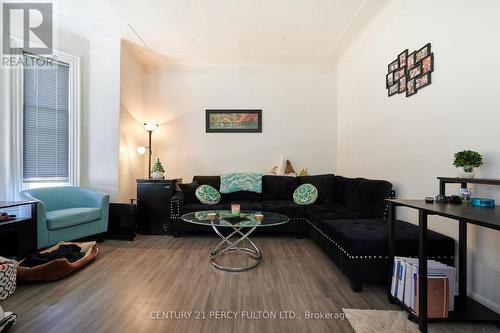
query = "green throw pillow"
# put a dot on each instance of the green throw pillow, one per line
(207, 195)
(305, 194)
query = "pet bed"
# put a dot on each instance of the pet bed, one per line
(58, 268)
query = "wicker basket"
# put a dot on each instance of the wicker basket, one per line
(8, 273)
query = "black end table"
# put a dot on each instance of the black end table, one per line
(18, 236)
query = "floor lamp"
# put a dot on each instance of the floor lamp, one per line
(150, 127)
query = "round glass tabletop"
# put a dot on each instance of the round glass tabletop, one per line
(223, 218)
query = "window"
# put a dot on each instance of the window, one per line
(45, 121)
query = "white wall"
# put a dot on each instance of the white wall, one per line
(298, 103)
(411, 141)
(100, 97)
(132, 133)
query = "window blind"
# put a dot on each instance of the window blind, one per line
(45, 121)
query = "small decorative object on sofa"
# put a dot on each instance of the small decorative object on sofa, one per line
(207, 195)
(467, 160)
(158, 172)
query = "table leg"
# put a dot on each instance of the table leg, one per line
(392, 247)
(226, 246)
(462, 259)
(422, 271)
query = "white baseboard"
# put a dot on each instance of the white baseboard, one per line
(483, 300)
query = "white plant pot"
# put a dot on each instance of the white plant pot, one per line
(157, 175)
(464, 174)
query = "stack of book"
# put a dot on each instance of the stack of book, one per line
(441, 286)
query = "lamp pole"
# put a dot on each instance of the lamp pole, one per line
(150, 155)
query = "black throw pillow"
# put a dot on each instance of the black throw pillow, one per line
(189, 191)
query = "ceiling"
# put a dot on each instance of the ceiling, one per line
(203, 29)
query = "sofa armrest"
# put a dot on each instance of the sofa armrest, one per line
(41, 222)
(101, 200)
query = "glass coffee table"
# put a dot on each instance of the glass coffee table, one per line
(240, 227)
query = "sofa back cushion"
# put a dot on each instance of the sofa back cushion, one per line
(214, 181)
(189, 191)
(278, 187)
(363, 195)
(324, 183)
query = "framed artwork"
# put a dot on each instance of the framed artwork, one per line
(393, 89)
(410, 88)
(415, 71)
(410, 60)
(410, 72)
(402, 58)
(428, 64)
(393, 65)
(423, 52)
(422, 81)
(399, 73)
(389, 79)
(402, 84)
(233, 121)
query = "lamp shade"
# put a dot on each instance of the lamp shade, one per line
(141, 150)
(150, 127)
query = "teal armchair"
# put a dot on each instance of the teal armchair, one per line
(67, 213)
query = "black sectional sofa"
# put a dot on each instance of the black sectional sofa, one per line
(347, 220)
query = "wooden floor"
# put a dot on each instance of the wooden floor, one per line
(135, 287)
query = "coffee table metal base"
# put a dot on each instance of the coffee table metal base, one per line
(227, 246)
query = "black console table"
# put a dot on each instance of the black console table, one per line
(466, 308)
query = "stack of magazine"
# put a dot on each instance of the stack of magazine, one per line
(441, 286)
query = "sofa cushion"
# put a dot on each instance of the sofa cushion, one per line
(325, 185)
(371, 237)
(213, 181)
(278, 187)
(236, 197)
(189, 191)
(64, 218)
(305, 194)
(364, 195)
(331, 211)
(207, 195)
(285, 207)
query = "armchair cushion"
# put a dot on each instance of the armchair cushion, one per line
(63, 218)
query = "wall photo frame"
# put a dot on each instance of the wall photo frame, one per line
(410, 72)
(233, 121)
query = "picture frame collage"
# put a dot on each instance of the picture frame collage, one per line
(410, 72)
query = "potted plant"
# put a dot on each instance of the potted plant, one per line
(467, 160)
(157, 172)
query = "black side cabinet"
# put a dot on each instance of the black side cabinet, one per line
(153, 202)
(122, 223)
